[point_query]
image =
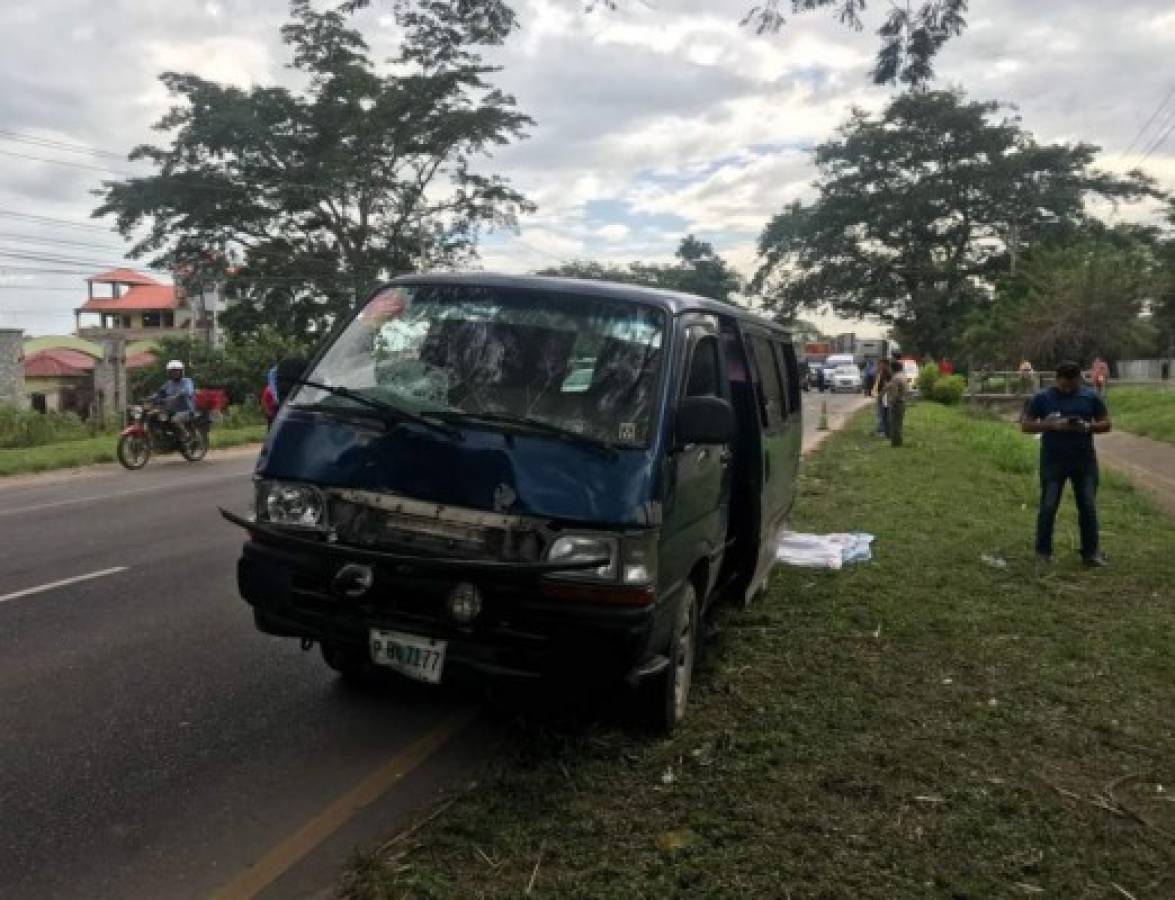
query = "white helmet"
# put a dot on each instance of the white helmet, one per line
(174, 364)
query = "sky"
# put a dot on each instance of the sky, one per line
(659, 119)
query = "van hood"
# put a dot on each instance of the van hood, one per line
(523, 474)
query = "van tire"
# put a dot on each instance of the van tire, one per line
(661, 701)
(350, 662)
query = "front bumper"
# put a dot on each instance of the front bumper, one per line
(522, 633)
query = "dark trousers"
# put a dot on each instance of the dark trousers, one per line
(1082, 472)
(882, 418)
(897, 419)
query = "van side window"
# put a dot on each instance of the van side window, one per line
(790, 369)
(705, 370)
(774, 405)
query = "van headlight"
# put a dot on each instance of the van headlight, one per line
(577, 548)
(287, 503)
(632, 558)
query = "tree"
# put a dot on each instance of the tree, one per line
(910, 36)
(1078, 301)
(1162, 306)
(303, 201)
(699, 270)
(920, 210)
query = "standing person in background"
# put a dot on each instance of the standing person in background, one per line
(879, 385)
(868, 378)
(1100, 373)
(896, 392)
(270, 400)
(1067, 416)
(1027, 378)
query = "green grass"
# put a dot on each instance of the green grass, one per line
(926, 724)
(100, 449)
(1146, 411)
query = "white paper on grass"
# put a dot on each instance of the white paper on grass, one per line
(823, 551)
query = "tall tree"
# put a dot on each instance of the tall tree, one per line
(698, 270)
(1162, 305)
(304, 200)
(1079, 300)
(919, 210)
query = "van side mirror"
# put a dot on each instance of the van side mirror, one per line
(704, 420)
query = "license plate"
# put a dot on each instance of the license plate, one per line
(417, 657)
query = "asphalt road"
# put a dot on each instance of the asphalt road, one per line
(152, 743)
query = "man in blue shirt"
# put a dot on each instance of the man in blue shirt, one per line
(1067, 416)
(178, 395)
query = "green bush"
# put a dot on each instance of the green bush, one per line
(29, 428)
(948, 389)
(927, 378)
(243, 415)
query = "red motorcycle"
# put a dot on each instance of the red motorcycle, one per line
(152, 430)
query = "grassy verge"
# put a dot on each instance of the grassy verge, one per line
(100, 449)
(927, 724)
(1146, 411)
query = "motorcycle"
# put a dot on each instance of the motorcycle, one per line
(151, 430)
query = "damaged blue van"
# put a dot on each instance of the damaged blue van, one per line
(515, 477)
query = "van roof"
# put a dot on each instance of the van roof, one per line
(673, 302)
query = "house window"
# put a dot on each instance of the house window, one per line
(151, 320)
(168, 319)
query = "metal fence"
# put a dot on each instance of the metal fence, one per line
(1146, 369)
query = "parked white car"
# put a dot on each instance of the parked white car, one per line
(846, 378)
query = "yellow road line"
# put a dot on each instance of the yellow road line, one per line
(282, 857)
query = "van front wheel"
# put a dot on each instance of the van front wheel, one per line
(662, 700)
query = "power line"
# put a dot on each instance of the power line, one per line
(70, 260)
(68, 164)
(49, 220)
(30, 239)
(1154, 115)
(54, 144)
(1160, 140)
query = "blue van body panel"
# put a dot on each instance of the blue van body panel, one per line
(546, 477)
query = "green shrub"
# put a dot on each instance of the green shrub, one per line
(927, 378)
(948, 389)
(29, 428)
(243, 415)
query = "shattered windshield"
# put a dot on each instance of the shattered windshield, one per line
(583, 364)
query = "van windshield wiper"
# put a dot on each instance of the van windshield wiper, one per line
(540, 426)
(391, 412)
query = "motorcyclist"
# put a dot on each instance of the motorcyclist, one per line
(178, 397)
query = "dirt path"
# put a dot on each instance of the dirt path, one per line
(1149, 464)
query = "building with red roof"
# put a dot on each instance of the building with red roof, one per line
(133, 305)
(61, 378)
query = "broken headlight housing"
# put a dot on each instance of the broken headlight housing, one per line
(631, 558)
(290, 504)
